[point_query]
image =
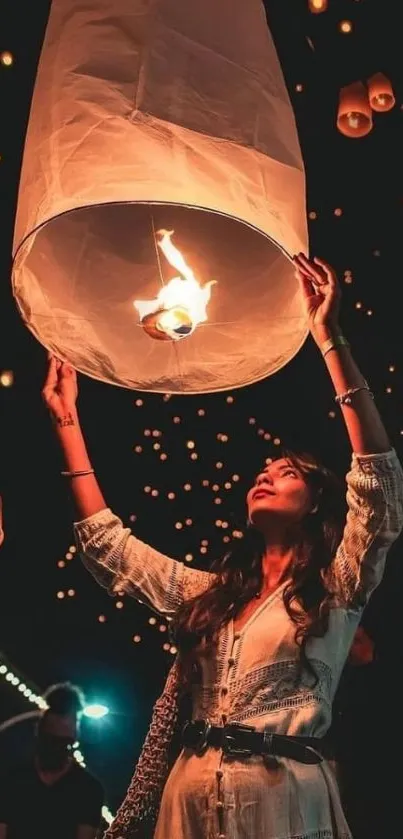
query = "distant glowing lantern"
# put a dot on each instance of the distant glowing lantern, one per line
(6, 378)
(146, 118)
(354, 118)
(380, 91)
(345, 27)
(317, 6)
(6, 59)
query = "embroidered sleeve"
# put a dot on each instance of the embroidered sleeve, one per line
(121, 563)
(195, 582)
(374, 521)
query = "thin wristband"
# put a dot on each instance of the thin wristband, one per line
(332, 343)
(78, 474)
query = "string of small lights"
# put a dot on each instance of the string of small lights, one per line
(30, 693)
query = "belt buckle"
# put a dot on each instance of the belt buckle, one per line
(202, 740)
(229, 734)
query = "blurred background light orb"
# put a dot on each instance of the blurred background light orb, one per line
(95, 711)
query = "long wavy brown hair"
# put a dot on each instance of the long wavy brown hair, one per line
(239, 575)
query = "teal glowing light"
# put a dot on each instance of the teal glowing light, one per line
(95, 711)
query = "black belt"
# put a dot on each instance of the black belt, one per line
(238, 740)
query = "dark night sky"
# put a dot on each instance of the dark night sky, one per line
(49, 639)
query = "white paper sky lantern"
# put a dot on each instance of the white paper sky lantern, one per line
(161, 146)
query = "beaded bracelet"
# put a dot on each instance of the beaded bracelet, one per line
(345, 398)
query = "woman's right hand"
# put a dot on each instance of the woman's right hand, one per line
(60, 390)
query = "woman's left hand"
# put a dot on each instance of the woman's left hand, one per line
(321, 294)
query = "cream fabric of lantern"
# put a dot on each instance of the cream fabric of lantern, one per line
(152, 114)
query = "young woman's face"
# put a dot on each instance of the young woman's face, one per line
(280, 492)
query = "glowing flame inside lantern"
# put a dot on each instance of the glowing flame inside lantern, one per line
(181, 304)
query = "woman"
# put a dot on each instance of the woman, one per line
(264, 636)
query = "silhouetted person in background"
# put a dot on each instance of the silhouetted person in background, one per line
(52, 797)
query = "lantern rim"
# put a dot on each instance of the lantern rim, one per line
(150, 388)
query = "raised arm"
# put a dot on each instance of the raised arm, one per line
(60, 393)
(117, 560)
(375, 481)
(321, 294)
(374, 521)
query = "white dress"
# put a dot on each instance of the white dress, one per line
(251, 679)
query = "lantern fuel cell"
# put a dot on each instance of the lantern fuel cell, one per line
(181, 302)
(161, 116)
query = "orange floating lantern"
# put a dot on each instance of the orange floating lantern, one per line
(317, 6)
(380, 92)
(6, 58)
(345, 27)
(354, 117)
